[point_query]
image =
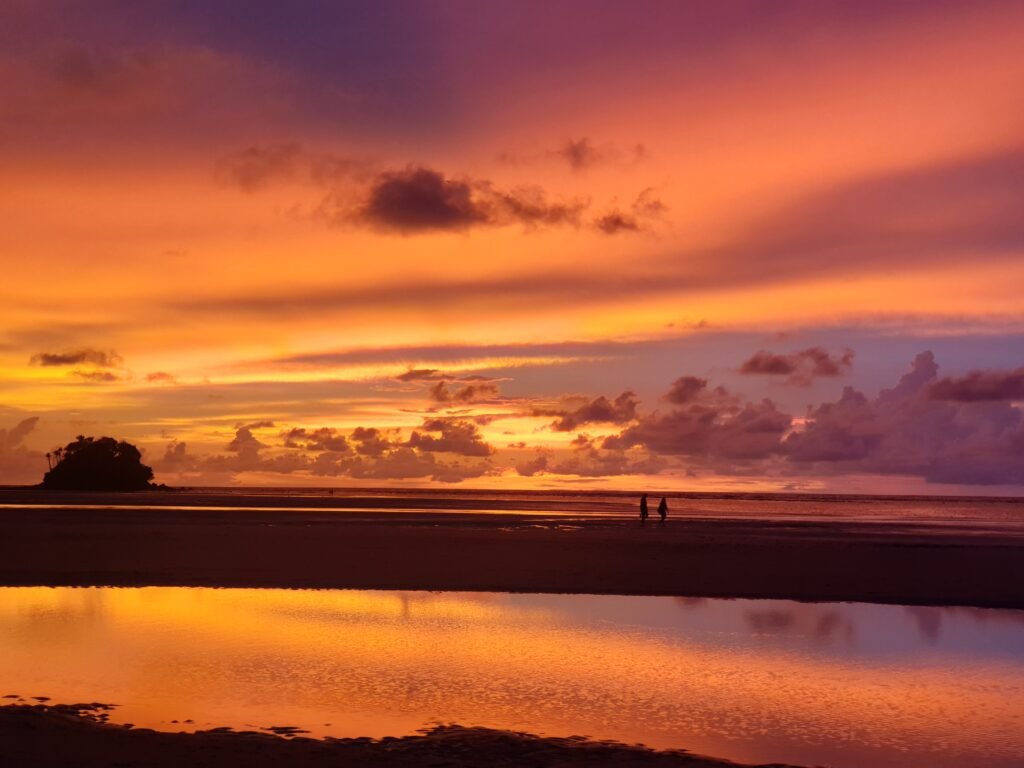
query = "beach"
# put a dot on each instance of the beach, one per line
(163, 538)
(41, 735)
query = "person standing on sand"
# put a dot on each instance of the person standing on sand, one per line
(663, 509)
(643, 508)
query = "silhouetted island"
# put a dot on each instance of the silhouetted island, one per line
(90, 464)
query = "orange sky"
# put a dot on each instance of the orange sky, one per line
(220, 230)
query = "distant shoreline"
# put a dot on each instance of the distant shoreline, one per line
(823, 560)
(342, 492)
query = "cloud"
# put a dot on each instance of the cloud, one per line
(590, 461)
(969, 206)
(801, 367)
(406, 463)
(533, 466)
(322, 439)
(616, 221)
(600, 409)
(644, 208)
(948, 211)
(97, 376)
(247, 446)
(176, 458)
(97, 357)
(419, 374)
(906, 430)
(456, 436)
(157, 376)
(686, 389)
(370, 441)
(257, 167)
(708, 424)
(483, 391)
(580, 153)
(981, 386)
(418, 199)
(454, 354)
(12, 438)
(262, 165)
(18, 463)
(963, 431)
(421, 199)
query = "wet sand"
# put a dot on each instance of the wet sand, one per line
(74, 735)
(305, 547)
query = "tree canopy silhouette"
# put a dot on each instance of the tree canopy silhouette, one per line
(90, 464)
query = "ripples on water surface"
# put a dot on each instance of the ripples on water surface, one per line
(833, 684)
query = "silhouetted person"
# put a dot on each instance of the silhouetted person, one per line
(663, 509)
(643, 508)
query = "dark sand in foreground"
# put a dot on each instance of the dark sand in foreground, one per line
(472, 551)
(43, 736)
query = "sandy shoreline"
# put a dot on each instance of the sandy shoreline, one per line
(40, 735)
(531, 552)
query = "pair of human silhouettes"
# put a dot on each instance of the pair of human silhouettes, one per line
(662, 509)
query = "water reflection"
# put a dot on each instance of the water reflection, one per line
(836, 684)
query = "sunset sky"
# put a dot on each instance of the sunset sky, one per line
(680, 245)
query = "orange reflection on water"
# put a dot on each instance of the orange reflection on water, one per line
(749, 680)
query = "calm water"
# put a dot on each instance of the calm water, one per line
(829, 684)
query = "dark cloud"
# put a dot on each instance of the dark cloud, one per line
(419, 374)
(709, 425)
(455, 436)
(841, 230)
(97, 376)
(419, 199)
(580, 153)
(600, 409)
(645, 208)
(686, 389)
(483, 391)
(247, 446)
(322, 439)
(646, 204)
(533, 466)
(616, 221)
(161, 376)
(407, 463)
(583, 153)
(590, 461)
(960, 431)
(176, 457)
(97, 357)
(846, 229)
(801, 367)
(906, 430)
(766, 363)
(323, 452)
(370, 441)
(980, 386)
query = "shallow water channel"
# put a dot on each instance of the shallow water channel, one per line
(832, 684)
